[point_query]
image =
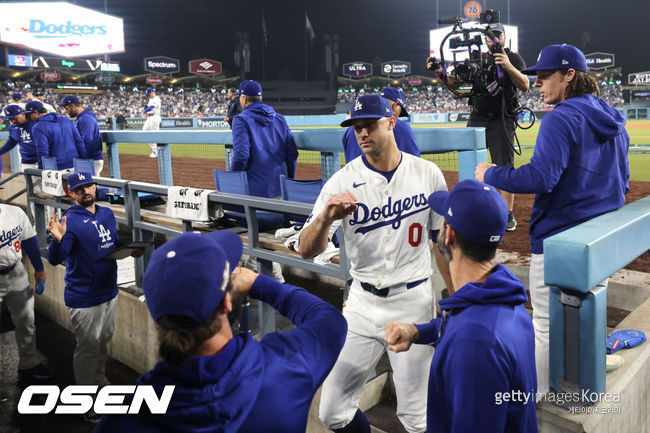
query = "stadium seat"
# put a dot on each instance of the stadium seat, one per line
(86, 165)
(304, 191)
(236, 182)
(48, 163)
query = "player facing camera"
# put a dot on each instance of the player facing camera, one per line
(489, 78)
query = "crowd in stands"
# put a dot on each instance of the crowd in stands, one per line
(428, 99)
(130, 101)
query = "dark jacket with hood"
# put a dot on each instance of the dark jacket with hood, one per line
(55, 136)
(89, 130)
(485, 350)
(264, 148)
(579, 169)
(250, 386)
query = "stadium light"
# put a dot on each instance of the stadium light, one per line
(16, 74)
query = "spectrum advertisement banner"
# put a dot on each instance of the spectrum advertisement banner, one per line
(60, 28)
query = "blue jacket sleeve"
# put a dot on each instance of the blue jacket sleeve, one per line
(86, 130)
(320, 328)
(550, 159)
(58, 251)
(292, 155)
(30, 246)
(78, 142)
(429, 332)
(473, 387)
(39, 137)
(149, 108)
(241, 145)
(9, 144)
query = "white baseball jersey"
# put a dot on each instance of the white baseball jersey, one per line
(155, 102)
(48, 107)
(386, 238)
(14, 227)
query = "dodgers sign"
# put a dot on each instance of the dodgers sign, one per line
(60, 28)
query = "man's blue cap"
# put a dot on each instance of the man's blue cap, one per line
(38, 92)
(11, 111)
(474, 209)
(70, 99)
(16, 96)
(249, 88)
(395, 95)
(368, 107)
(75, 180)
(189, 274)
(562, 56)
(32, 106)
(149, 90)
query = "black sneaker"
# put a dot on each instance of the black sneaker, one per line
(37, 372)
(512, 222)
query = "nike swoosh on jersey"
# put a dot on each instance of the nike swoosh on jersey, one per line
(87, 220)
(365, 229)
(357, 185)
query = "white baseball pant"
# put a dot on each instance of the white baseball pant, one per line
(152, 124)
(93, 329)
(367, 316)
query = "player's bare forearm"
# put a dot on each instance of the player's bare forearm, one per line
(314, 238)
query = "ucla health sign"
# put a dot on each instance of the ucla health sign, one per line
(60, 28)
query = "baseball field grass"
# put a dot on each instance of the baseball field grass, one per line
(639, 131)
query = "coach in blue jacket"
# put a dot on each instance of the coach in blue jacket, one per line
(20, 133)
(482, 375)
(81, 239)
(54, 136)
(88, 130)
(227, 383)
(579, 169)
(263, 145)
(404, 136)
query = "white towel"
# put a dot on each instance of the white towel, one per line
(52, 182)
(191, 204)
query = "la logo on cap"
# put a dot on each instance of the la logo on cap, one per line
(357, 106)
(81, 177)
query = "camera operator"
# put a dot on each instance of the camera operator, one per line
(487, 103)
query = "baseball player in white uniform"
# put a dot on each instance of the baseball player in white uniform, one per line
(18, 234)
(380, 199)
(153, 118)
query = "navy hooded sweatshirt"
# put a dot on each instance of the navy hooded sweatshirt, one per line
(485, 348)
(55, 136)
(264, 148)
(22, 136)
(250, 386)
(89, 280)
(579, 169)
(89, 130)
(404, 138)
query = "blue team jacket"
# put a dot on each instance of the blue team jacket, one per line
(22, 136)
(579, 169)
(250, 386)
(89, 280)
(264, 148)
(56, 136)
(403, 136)
(89, 130)
(485, 345)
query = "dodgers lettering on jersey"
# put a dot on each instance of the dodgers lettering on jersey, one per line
(386, 238)
(14, 228)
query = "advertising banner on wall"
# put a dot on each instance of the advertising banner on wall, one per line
(60, 28)
(396, 68)
(428, 117)
(176, 122)
(204, 67)
(212, 122)
(458, 117)
(357, 69)
(162, 65)
(598, 61)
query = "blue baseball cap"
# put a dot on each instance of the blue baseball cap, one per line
(249, 88)
(11, 111)
(38, 92)
(395, 95)
(32, 106)
(189, 274)
(75, 180)
(368, 107)
(474, 209)
(70, 99)
(16, 96)
(150, 90)
(562, 56)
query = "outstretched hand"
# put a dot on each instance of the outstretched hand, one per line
(56, 228)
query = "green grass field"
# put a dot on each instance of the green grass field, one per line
(639, 131)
